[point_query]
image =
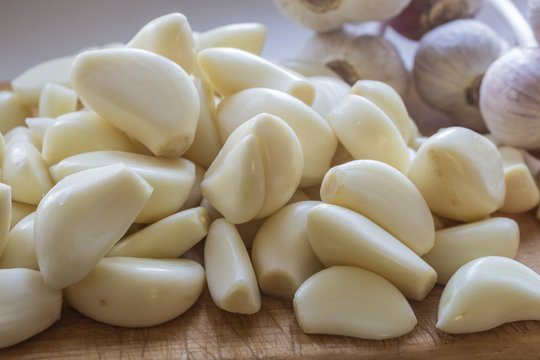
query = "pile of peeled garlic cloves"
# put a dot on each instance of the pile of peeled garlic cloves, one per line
(307, 179)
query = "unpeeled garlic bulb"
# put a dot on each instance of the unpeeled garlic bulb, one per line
(488, 292)
(509, 98)
(350, 301)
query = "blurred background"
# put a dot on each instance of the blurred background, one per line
(32, 31)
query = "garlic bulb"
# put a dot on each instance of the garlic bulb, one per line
(358, 57)
(420, 16)
(324, 15)
(449, 65)
(510, 98)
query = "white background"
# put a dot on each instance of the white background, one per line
(32, 31)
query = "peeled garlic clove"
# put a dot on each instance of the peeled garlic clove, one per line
(308, 68)
(229, 273)
(521, 190)
(20, 251)
(12, 111)
(356, 57)
(508, 98)
(460, 174)
(340, 236)
(19, 211)
(367, 133)
(136, 292)
(313, 131)
(457, 245)
(5, 214)
(169, 237)
(25, 171)
(38, 126)
(281, 254)
(328, 93)
(81, 132)
(27, 305)
(20, 134)
(349, 301)
(170, 36)
(389, 101)
(449, 65)
(231, 70)
(256, 172)
(207, 142)
(82, 217)
(329, 15)
(56, 100)
(162, 114)
(384, 195)
(245, 36)
(171, 179)
(29, 84)
(195, 196)
(488, 292)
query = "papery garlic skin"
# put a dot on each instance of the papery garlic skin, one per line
(136, 292)
(329, 15)
(449, 66)
(27, 305)
(488, 292)
(350, 301)
(457, 245)
(509, 98)
(82, 217)
(382, 194)
(460, 174)
(162, 114)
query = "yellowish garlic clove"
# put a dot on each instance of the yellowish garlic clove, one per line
(257, 170)
(389, 101)
(169, 237)
(19, 211)
(522, 192)
(350, 301)
(20, 251)
(162, 114)
(382, 194)
(5, 215)
(27, 305)
(313, 131)
(331, 14)
(509, 98)
(245, 36)
(367, 133)
(231, 70)
(457, 245)
(82, 217)
(281, 254)
(229, 273)
(56, 100)
(80, 132)
(329, 91)
(340, 236)
(449, 67)
(488, 292)
(24, 169)
(195, 196)
(309, 68)
(171, 179)
(136, 292)
(207, 142)
(460, 174)
(359, 57)
(438, 222)
(30, 83)
(38, 126)
(169, 36)
(12, 111)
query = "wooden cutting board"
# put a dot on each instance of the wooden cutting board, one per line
(206, 332)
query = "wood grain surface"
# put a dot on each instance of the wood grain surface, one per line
(206, 332)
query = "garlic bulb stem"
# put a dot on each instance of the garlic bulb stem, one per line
(523, 34)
